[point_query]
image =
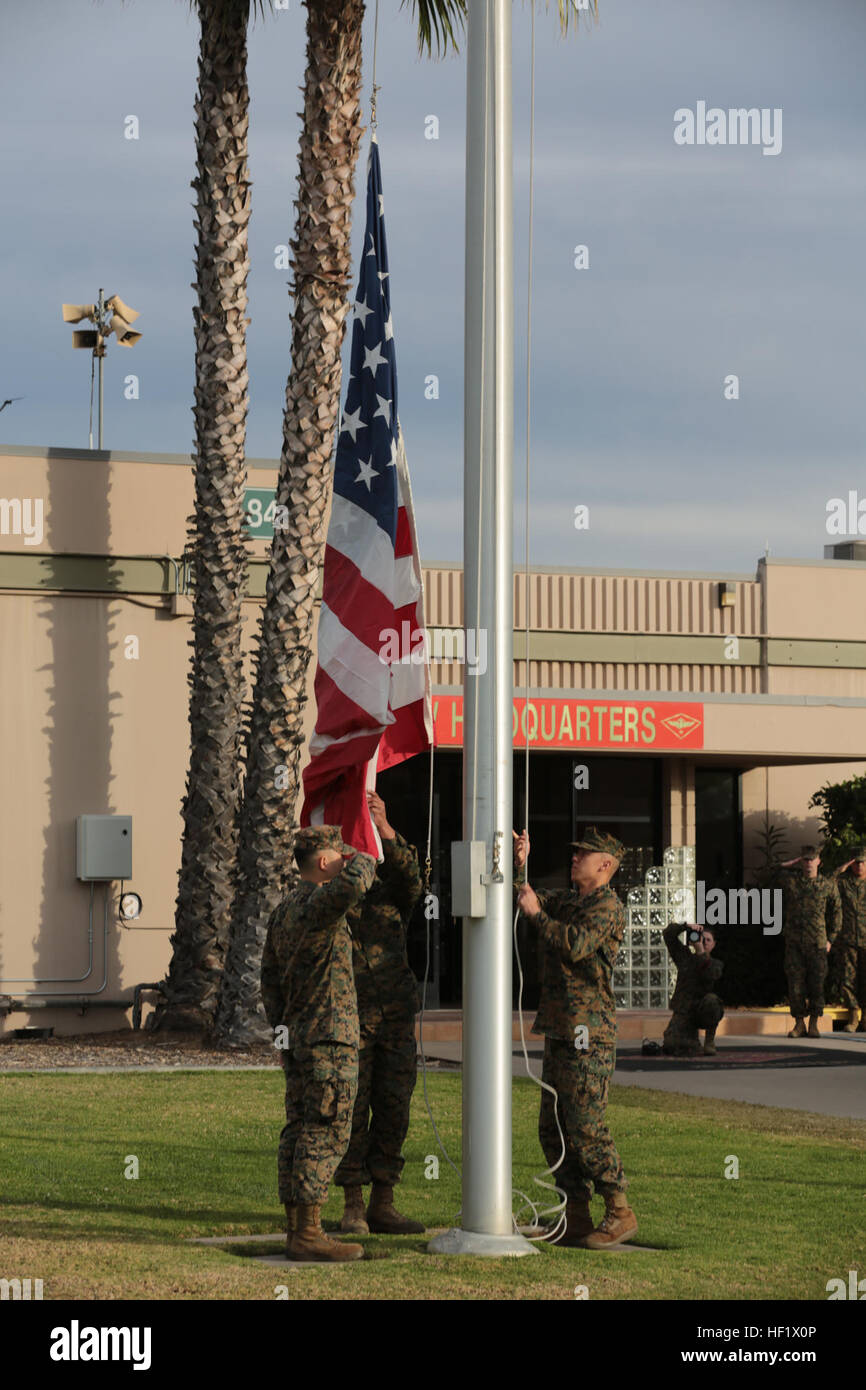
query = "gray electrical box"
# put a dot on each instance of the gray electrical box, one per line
(103, 848)
(468, 866)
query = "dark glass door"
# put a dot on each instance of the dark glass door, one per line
(718, 815)
(624, 798)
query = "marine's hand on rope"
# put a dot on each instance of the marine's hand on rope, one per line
(521, 848)
(527, 901)
(379, 815)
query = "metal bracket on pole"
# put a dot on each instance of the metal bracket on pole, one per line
(495, 875)
(468, 891)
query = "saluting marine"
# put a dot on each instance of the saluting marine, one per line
(849, 947)
(811, 916)
(581, 932)
(308, 986)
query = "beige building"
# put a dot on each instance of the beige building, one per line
(672, 708)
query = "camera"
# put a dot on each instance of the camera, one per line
(693, 933)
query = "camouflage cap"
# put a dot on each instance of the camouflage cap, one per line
(809, 852)
(600, 843)
(858, 852)
(318, 837)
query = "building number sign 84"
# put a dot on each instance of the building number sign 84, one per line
(260, 510)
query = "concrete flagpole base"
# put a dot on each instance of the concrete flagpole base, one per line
(460, 1242)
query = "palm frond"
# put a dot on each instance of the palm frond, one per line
(261, 8)
(571, 10)
(437, 18)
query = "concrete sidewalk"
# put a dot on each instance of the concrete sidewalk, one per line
(822, 1090)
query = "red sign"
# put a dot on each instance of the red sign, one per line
(615, 724)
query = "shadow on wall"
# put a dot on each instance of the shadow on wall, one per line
(770, 838)
(77, 750)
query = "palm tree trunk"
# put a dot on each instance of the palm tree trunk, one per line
(330, 142)
(210, 808)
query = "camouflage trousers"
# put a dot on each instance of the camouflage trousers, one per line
(321, 1082)
(850, 974)
(806, 969)
(387, 1072)
(581, 1081)
(681, 1034)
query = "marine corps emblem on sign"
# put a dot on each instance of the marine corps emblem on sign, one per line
(680, 724)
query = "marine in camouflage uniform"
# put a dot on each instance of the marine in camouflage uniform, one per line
(694, 1002)
(848, 956)
(387, 1061)
(811, 916)
(581, 934)
(308, 986)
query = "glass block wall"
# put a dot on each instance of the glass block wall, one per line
(644, 974)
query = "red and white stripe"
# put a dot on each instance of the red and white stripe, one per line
(369, 713)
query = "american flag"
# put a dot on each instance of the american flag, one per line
(372, 680)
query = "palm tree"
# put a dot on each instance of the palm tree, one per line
(219, 554)
(330, 141)
(321, 262)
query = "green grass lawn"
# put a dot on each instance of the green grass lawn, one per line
(206, 1149)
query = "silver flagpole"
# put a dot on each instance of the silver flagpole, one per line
(482, 863)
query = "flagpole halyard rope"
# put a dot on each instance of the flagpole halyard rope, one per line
(478, 539)
(428, 869)
(558, 1229)
(428, 861)
(376, 88)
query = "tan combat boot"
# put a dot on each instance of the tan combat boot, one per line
(710, 1042)
(354, 1216)
(383, 1218)
(814, 1031)
(619, 1223)
(309, 1242)
(291, 1222)
(851, 1025)
(799, 1028)
(579, 1223)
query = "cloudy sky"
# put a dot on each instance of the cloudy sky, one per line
(704, 260)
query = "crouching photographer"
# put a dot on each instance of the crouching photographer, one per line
(694, 1003)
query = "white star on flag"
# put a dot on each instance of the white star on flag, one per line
(384, 409)
(373, 358)
(352, 422)
(366, 473)
(361, 311)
